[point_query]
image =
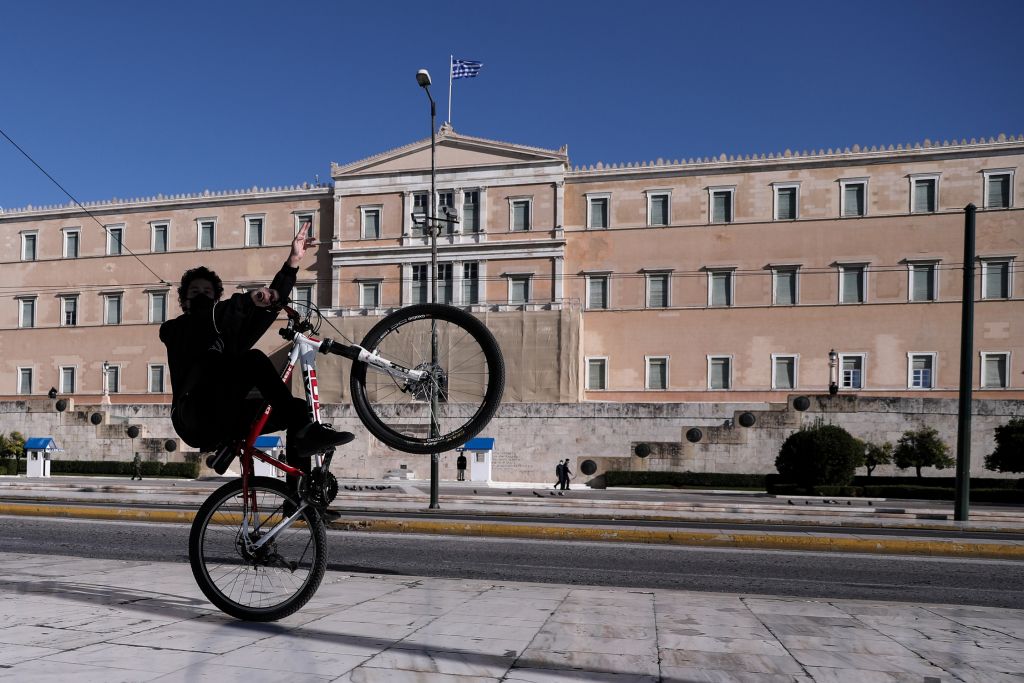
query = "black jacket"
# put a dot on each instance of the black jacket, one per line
(232, 325)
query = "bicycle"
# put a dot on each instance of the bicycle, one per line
(426, 379)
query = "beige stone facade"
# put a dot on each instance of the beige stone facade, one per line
(715, 280)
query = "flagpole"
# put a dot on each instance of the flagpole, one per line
(451, 62)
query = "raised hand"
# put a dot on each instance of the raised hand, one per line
(301, 243)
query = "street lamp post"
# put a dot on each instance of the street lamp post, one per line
(106, 383)
(833, 372)
(423, 80)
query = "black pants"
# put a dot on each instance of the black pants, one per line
(215, 407)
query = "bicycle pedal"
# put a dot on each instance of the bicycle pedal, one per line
(220, 460)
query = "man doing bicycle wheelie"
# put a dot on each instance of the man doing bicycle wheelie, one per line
(214, 367)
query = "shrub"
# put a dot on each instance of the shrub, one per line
(922, 448)
(1009, 453)
(710, 479)
(820, 455)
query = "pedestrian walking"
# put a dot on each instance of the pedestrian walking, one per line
(460, 463)
(558, 475)
(137, 467)
(566, 475)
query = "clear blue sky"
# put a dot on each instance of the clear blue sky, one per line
(124, 99)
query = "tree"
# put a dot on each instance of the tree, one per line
(819, 455)
(1009, 453)
(922, 448)
(876, 454)
(12, 446)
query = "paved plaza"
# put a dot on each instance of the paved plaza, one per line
(108, 621)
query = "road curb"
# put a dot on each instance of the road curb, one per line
(799, 541)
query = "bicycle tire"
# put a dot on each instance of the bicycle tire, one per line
(473, 379)
(251, 588)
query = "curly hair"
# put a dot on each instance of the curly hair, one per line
(200, 273)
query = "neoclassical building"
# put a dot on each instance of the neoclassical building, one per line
(722, 279)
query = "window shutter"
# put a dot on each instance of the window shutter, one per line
(784, 373)
(719, 373)
(785, 287)
(656, 374)
(996, 281)
(596, 374)
(853, 285)
(995, 371)
(998, 191)
(854, 200)
(787, 203)
(923, 278)
(720, 289)
(658, 298)
(659, 210)
(598, 295)
(521, 216)
(924, 195)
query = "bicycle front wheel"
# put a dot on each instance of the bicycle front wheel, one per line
(462, 386)
(262, 584)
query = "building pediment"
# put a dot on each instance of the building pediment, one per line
(453, 151)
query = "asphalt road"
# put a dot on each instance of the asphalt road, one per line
(961, 581)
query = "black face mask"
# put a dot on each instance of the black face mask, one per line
(200, 304)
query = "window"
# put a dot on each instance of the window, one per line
(721, 204)
(301, 218)
(851, 369)
(67, 380)
(115, 240)
(369, 294)
(597, 291)
(370, 218)
(156, 379)
(597, 210)
(783, 372)
(113, 379)
(446, 199)
(254, 231)
(787, 198)
(471, 211)
(658, 290)
(420, 211)
(852, 284)
(71, 238)
(24, 380)
(28, 246)
(303, 296)
(470, 283)
(719, 372)
(444, 283)
(658, 208)
(924, 193)
(207, 230)
(520, 220)
(69, 311)
(998, 189)
(853, 197)
(519, 289)
(995, 279)
(784, 286)
(112, 309)
(27, 312)
(420, 282)
(720, 287)
(158, 241)
(994, 370)
(597, 374)
(921, 370)
(923, 281)
(157, 307)
(657, 372)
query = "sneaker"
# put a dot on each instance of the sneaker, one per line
(316, 438)
(220, 460)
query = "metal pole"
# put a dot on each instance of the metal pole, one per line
(961, 501)
(434, 226)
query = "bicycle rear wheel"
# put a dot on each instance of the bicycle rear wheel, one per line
(267, 584)
(466, 373)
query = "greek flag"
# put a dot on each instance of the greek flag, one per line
(465, 68)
